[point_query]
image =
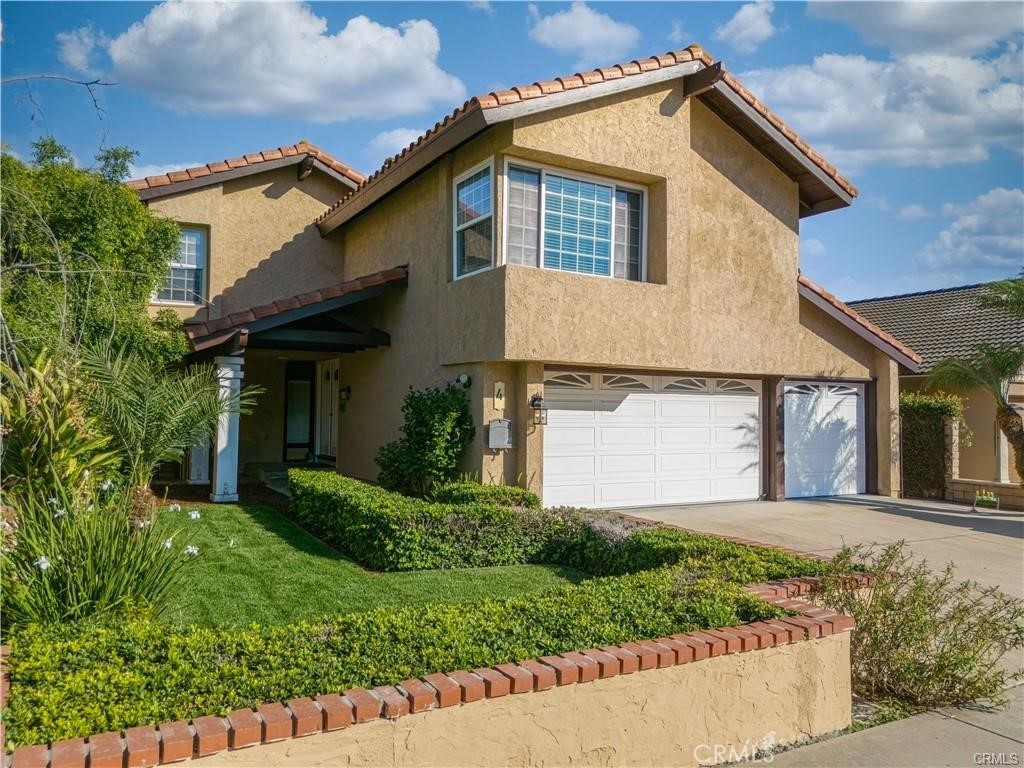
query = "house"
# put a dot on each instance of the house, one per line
(953, 323)
(607, 261)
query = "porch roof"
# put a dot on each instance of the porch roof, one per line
(315, 321)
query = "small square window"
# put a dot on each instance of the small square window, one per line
(184, 283)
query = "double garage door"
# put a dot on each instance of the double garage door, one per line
(625, 440)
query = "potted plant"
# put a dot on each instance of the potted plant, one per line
(986, 499)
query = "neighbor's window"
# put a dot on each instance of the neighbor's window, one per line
(474, 227)
(575, 224)
(184, 283)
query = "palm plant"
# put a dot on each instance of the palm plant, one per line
(991, 368)
(154, 414)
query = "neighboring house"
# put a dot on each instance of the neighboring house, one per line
(952, 323)
(607, 260)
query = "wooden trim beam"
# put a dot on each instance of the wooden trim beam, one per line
(702, 80)
(286, 336)
(871, 437)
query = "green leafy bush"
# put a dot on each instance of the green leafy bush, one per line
(501, 495)
(93, 677)
(386, 531)
(923, 439)
(437, 428)
(68, 558)
(923, 638)
(390, 532)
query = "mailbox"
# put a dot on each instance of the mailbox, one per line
(499, 434)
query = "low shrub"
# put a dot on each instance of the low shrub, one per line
(92, 677)
(390, 532)
(924, 639)
(477, 493)
(436, 429)
(68, 558)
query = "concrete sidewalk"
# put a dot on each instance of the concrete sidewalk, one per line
(947, 737)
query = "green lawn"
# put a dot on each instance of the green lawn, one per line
(256, 566)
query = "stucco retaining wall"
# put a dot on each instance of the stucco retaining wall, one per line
(668, 716)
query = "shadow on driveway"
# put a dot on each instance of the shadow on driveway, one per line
(1000, 523)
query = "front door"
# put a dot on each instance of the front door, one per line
(299, 392)
(327, 410)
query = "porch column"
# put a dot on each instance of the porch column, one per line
(199, 462)
(225, 458)
(1002, 457)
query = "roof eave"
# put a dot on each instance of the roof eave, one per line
(219, 177)
(894, 352)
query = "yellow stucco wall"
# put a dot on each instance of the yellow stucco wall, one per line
(262, 242)
(721, 296)
(662, 717)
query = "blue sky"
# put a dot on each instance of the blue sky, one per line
(919, 104)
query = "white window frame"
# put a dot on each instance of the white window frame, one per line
(175, 264)
(613, 183)
(456, 227)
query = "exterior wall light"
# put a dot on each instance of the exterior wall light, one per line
(345, 393)
(540, 411)
(463, 380)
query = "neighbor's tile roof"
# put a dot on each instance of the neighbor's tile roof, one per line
(943, 324)
(253, 159)
(582, 80)
(858, 317)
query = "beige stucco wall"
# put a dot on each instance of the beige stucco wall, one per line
(978, 459)
(659, 717)
(722, 268)
(262, 242)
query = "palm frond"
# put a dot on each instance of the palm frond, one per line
(991, 367)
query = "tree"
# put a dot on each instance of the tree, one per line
(1007, 295)
(153, 414)
(81, 257)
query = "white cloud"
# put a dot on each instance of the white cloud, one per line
(921, 109)
(913, 211)
(959, 28)
(388, 143)
(78, 46)
(986, 233)
(677, 35)
(750, 27)
(593, 38)
(483, 5)
(812, 248)
(280, 58)
(155, 169)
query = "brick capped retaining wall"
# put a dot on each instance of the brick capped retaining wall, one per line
(778, 681)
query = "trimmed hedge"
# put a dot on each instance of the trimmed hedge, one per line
(386, 531)
(85, 678)
(476, 493)
(390, 532)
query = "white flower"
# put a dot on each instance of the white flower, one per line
(59, 513)
(194, 514)
(106, 485)
(168, 543)
(174, 507)
(141, 523)
(42, 562)
(86, 473)
(52, 501)
(191, 550)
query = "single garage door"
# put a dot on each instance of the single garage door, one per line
(623, 440)
(825, 446)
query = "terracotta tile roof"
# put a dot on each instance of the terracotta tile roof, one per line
(858, 318)
(255, 158)
(943, 324)
(223, 326)
(582, 80)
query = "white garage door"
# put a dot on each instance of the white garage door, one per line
(824, 439)
(619, 440)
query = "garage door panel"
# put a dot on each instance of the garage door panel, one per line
(670, 444)
(825, 442)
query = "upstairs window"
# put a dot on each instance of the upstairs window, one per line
(474, 225)
(574, 224)
(185, 281)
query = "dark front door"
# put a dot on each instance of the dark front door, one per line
(299, 409)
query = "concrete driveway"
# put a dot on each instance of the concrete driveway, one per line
(987, 547)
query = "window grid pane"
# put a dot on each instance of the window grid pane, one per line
(474, 235)
(473, 247)
(184, 281)
(577, 225)
(474, 197)
(523, 215)
(627, 234)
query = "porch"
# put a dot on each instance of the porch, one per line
(293, 349)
